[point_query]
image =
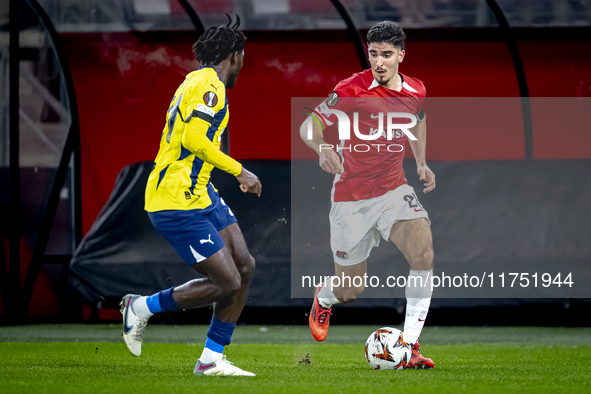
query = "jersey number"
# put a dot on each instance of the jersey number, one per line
(409, 199)
(172, 112)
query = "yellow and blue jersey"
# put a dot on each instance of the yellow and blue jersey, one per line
(190, 145)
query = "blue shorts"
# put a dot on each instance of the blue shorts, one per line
(194, 234)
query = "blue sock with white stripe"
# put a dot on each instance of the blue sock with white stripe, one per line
(218, 336)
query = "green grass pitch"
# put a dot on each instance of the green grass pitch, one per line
(93, 359)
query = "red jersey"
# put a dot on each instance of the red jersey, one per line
(371, 167)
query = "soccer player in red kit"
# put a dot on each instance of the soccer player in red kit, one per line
(370, 196)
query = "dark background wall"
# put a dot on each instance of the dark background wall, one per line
(124, 80)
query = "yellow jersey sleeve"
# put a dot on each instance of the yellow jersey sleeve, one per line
(205, 107)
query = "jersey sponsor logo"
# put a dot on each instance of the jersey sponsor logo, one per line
(187, 196)
(210, 99)
(376, 116)
(397, 134)
(205, 110)
(373, 131)
(342, 255)
(333, 99)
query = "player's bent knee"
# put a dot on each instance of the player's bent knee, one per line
(231, 287)
(230, 292)
(425, 260)
(228, 284)
(246, 267)
(250, 268)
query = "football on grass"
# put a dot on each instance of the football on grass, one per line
(385, 349)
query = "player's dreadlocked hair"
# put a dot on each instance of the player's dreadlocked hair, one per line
(389, 32)
(218, 42)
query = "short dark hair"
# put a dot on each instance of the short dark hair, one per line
(388, 32)
(218, 42)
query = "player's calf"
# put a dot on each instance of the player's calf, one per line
(200, 292)
(347, 283)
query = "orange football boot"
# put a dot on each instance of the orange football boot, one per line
(417, 360)
(319, 318)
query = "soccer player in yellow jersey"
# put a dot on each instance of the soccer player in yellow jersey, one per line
(187, 210)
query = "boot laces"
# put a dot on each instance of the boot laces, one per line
(322, 314)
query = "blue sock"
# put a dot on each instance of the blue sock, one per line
(162, 302)
(219, 335)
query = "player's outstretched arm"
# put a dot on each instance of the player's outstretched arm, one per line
(328, 159)
(419, 150)
(195, 140)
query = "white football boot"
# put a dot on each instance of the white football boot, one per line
(133, 326)
(220, 368)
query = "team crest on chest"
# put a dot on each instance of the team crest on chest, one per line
(210, 99)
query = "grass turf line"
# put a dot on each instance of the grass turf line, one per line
(105, 367)
(339, 334)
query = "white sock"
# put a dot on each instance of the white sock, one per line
(418, 298)
(140, 308)
(326, 298)
(209, 356)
